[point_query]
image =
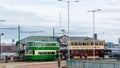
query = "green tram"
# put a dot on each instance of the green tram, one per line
(41, 50)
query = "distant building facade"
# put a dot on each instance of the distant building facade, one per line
(109, 45)
(9, 50)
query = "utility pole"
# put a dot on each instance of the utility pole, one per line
(1, 46)
(19, 42)
(68, 9)
(53, 33)
(93, 11)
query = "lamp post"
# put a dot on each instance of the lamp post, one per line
(1, 45)
(68, 2)
(93, 11)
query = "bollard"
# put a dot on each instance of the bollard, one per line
(6, 59)
(59, 62)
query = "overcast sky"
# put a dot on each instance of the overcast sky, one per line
(43, 15)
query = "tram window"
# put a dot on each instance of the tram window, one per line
(48, 52)
(26, 52)
(72, 51)
(77, 51)
(47, 44)
(76, 43)
(45, 52)
(30, 44)
(53, 52)
(81, 51)
(39, 44)
(84, 43)
(102, 43)
(54, 44)
(51, 44)
(33, 52)
(89, 51)
(96, 43)
(29, 52)
(99, 43)
(88, 43)
(81, 43)
(40, 53)
(72, 43)
(91, 43)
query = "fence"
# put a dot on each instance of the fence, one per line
(93, 64)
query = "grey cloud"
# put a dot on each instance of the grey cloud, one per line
(15, 17)
(31, 2)
(111, 10)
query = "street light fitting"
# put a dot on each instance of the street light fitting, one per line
(69, 0)
(76, 1)
(2, 34)
(98, 9)
(63, 30)
(94, 10)
(2, 20)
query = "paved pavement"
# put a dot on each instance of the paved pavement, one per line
(50, 64)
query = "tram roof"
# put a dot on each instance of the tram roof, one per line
(45, 41)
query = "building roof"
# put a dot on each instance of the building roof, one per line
(37, 38)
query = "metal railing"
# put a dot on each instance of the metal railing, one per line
(93, 63)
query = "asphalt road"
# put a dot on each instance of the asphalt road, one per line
(50, 64)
